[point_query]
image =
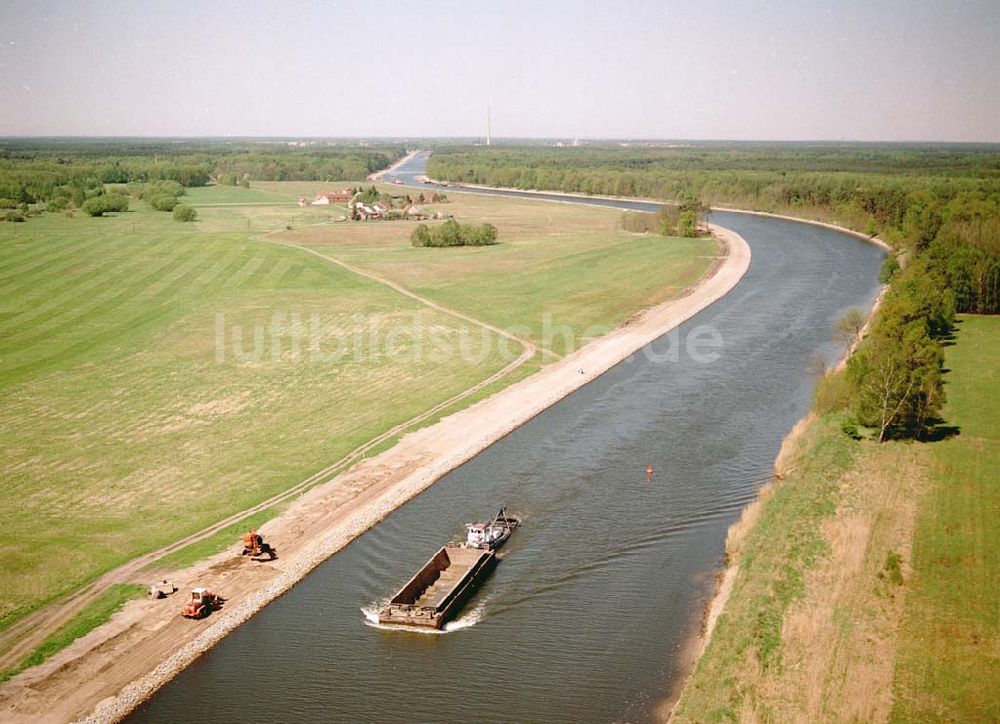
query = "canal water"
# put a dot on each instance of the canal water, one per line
(596, 594)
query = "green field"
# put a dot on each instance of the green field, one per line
(125, 427)
(822, 624)
(122, 430)
(948, 667)
(235, 195)
(569, 268)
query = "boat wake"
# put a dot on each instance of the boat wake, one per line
(470, 618)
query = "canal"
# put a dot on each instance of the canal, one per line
(596, 595)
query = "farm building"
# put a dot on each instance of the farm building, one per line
(329, 197)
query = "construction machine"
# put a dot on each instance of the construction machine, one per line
(202, 603)
(255, 547)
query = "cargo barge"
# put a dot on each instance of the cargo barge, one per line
(438, 590)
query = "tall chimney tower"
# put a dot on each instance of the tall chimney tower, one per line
(489, 113)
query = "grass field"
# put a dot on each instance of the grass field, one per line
(235, 195)
(571, 265)
(948, 667)
(122, 430)
(125, 426)
(869, 587)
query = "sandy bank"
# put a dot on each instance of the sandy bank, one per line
(379, 175)
(106, 674)
(738, 531)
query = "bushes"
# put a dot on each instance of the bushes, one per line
(889, 269)
(162, 195)
(161, 202)
(451, 233)
(687, 224)
(184, 213)
(100, 205)
(662, 222)
(232, 179)
(833, 393)
(670, 220)
(641, 222)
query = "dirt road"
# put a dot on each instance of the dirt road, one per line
(108, 672)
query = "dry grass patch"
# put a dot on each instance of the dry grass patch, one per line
(866, 581)
(563, 274)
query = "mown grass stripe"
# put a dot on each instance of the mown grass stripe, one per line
(179, 264)
(206, 279)
(273, 276)
(131, 326)
(255, 280)
(45, 261)
(87, 303)
(17, 256)
(16, 251)
(240, 259)
(67, 296)
(245, 272)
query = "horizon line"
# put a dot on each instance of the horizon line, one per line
(478, 139)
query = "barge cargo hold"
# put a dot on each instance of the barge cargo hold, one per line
(433, 596)
(439, 589)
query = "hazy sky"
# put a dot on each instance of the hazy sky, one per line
(803, 69)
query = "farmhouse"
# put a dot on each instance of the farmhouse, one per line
(328, 197)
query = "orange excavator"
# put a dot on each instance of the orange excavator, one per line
(255, 547)
(202, 603)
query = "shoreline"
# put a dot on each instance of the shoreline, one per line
(379, 175)
(97, 676)
(741, 528)
(873, 239)
(726, 576)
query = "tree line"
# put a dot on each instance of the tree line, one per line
(68, 173)
(938, 206)
(921, 197)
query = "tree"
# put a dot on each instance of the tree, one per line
(449, 233)
(849, 327)
(890, 267)
(687, 224)
(184, 213)
(421, 236)
(897, 374)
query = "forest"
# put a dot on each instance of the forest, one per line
(938, 206)
(67, 172)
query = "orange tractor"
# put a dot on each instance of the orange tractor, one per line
(255, 547)
(202, 603)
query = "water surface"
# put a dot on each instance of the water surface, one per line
(599, 590)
